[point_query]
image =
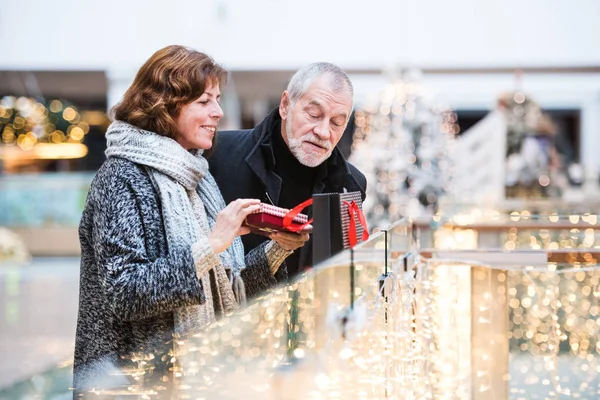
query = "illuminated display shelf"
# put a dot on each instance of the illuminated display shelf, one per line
(471, 307)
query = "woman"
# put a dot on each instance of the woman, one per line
(161, 255)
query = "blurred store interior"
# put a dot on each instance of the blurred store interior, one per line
(479, 72)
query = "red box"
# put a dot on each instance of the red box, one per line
(269, 219)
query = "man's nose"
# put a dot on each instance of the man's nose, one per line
(322, 129)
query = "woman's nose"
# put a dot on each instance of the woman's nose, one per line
(217, 111)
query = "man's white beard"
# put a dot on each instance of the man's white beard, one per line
(308, 159)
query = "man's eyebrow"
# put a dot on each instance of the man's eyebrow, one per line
(318, 104)
(341, 115)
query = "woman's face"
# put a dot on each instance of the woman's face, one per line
(197, 121)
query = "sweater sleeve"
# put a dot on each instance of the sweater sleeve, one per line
(262, 263)
(136, 285)
(276, 255)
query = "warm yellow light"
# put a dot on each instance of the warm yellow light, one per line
(93, 118)
(61, 151)
(8, 135)
(49, 128)
(84, 127)
(69, 114)
(57, 137)
(39, 109)
(55, 106)
(76, 133)
(19, 122)
(43, 151)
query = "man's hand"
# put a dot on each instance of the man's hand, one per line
(291, 241)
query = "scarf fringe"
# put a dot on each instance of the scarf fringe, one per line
(239, 289)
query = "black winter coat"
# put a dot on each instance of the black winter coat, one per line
(243, 166)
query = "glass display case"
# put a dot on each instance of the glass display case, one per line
(465, 305)
(535, 294)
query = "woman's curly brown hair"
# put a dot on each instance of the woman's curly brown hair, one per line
(173, 77)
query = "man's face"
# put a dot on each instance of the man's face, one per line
(314, 125)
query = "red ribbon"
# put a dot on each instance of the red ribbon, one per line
(289, 217)
(354, 209)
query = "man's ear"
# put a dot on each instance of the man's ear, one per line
(284, 105)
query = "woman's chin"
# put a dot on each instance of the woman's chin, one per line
(203, 144)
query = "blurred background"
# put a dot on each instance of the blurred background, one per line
(500, 99)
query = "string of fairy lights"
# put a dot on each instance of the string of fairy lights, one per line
(419, 340)
(402, 144)
(25, 122)
(442, 329)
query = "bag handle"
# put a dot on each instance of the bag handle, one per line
(354, 209)
(289, 217)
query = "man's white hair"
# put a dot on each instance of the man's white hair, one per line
(305, 76)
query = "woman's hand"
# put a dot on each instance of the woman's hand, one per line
(291, 241)
(229, 221)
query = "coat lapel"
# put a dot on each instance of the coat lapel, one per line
(261, 161)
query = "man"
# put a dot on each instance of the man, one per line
(292, 153)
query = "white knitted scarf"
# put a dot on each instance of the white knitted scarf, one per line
(186, 189)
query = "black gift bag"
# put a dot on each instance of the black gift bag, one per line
(338, 223)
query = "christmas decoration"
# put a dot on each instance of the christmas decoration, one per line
(401, 144)
(531, 159)
(25, 122)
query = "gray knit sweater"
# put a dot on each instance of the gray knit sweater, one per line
(130, 281)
